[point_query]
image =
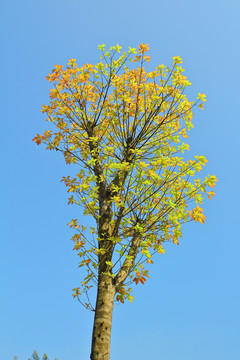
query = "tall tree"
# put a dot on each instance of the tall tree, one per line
(123, 129)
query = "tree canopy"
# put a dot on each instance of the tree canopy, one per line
(124, 129)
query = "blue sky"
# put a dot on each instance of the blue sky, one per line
(189, 308)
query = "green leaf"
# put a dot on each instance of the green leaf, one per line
(101, 47)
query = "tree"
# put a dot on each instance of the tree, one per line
(35, 356)
(123, 129)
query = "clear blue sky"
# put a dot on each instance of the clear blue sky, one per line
(189, 309)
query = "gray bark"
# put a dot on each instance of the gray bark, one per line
(101, 336)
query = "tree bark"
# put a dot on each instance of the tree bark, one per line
(101, 336)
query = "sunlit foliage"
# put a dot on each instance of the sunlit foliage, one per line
(124, 129)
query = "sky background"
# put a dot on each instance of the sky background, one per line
(189, 308)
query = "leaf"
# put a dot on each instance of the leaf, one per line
(202, 97)
(101, 47)
(118, 48)
(177, 60)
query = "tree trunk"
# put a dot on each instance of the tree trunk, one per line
(101, 336)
